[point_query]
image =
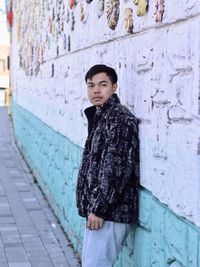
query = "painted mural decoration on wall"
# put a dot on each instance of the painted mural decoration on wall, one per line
(81, 12)
(101, 4)
(113, 13)
(141, 7)
(9, 12)
(159, 4)
(44, 28)
(37, 36)
(128, 20)
(72, 3)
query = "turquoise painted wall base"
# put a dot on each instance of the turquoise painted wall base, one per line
(161, 239)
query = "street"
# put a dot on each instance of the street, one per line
(30, 234)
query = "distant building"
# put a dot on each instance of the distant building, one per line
(4, 57)
(4, 74)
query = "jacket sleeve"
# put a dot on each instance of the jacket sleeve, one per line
(118, 167)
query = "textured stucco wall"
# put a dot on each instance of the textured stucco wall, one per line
(161, 239)
(158, 67)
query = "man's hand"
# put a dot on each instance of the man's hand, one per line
(94, 222)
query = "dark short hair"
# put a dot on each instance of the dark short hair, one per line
(102, 68)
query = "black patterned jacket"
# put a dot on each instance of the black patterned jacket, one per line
(109, 173)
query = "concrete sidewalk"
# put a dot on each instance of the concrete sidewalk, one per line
(29, 232)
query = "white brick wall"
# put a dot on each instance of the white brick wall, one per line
(158, 69)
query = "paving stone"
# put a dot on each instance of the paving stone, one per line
(6, 156)
(49, 240)
(7, 219)
(3, 199)
(29, 199)
(40, 260)
(32, 205)
(58, 255)
(3, 205)
(30, 237)
(27, 229)
(42, 264)
(1, 189)
(9, 163)
(1, 244)
(2, 193)
(20, 181)
(16, 254)
(5, 211)
(33, 244)
(38, 215)
(35, 249)
(27, 195)
(22, 186)
(3, 258)
(13, 245)
(37, 253)
(20, 264)
(9, 238)
(61, 264)
(14, 172)
(7, 228)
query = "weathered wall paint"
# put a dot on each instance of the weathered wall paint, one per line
(161, 238)
(158, 81)
(158, 67)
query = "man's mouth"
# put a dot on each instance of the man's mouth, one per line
(96, 98)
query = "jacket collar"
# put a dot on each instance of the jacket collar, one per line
(91, 111)
(111, 100)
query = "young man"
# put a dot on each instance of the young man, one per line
(108, 177)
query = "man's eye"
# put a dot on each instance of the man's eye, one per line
(103, 84)
(90, 85)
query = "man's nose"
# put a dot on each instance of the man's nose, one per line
(96, 89)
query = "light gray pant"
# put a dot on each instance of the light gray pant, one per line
(101, 247)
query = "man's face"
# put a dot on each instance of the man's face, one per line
(100, 88)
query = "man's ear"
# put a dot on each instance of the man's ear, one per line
(115, 85)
